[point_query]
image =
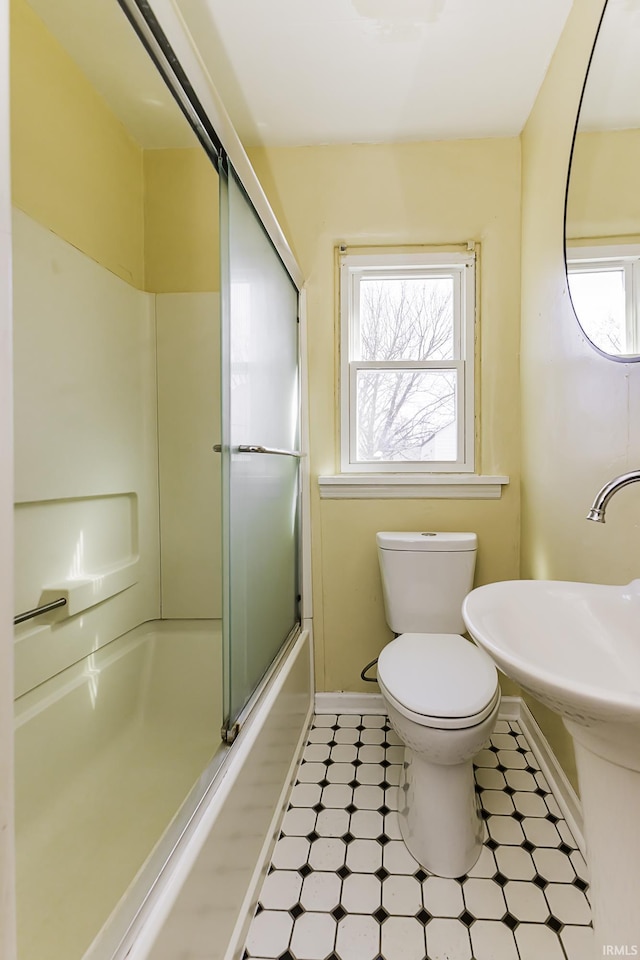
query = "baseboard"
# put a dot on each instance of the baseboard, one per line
(511, 708)
(567, 798)
(364, 703)
(372, 704)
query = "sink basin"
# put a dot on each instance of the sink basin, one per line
(574, 646)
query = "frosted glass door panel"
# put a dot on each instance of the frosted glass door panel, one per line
(261, 404)
(263, 566)
(264, 334)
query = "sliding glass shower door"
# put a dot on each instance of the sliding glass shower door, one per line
(260, 446)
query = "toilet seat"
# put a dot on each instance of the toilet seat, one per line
(438, 680)
(441, 723)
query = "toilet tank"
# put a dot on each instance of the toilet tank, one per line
(425, 578)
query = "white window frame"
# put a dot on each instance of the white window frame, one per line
(460, 266)
(619, 256)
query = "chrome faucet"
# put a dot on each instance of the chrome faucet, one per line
(599, 505)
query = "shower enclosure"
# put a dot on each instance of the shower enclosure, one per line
(260, 449)
(158, 470)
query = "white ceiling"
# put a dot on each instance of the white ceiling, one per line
(348, 71)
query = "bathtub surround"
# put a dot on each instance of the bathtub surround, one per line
(115, 479)
(149, 216)
(91, 492)
(139, 331)
(90, 445)
(188, 362)
(342, 884)
(102, 513)
(103, 352)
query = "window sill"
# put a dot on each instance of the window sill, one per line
(438, 486)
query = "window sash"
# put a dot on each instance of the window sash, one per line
(460, 268)
(605, 259)
(399, 366)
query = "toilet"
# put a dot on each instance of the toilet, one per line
(441, 693)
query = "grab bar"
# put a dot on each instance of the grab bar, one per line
(256, 448)
(45, 608)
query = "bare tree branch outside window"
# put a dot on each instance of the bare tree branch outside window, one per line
(599, 302)
(402, 412)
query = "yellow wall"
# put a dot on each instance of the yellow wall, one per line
(181, 221)
(75, 169)
(428, 193)
(580, 412)
(150, 217)
(603, 196)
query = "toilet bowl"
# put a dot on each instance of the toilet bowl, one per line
(441, 693)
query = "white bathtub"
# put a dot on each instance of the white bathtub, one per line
(106, 753)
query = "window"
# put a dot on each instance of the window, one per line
(407, 362)
(605, 290)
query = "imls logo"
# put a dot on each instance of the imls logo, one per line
(620, 950)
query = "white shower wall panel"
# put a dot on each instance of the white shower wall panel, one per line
(188, 330)
(85, 445)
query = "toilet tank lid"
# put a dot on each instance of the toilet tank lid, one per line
(427, 540)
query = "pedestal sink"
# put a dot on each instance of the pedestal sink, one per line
(576, 648)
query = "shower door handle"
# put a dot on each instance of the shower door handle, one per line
(257, 448)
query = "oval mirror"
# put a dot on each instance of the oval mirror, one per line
(602, 222)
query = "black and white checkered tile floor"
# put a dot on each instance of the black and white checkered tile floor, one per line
(343, 886)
